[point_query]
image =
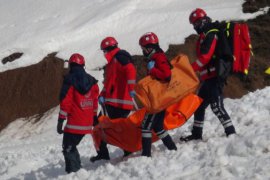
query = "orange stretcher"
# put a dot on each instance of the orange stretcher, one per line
(126, 133)
(155, 95)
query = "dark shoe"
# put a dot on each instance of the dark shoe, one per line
(72, 161)
(126, 153)
(230, 130)
(99, 157)
(103, 153)
(190, 138)
(168, 142)
(146, 147)
(230, 134)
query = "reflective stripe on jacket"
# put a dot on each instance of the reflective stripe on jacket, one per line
(120, 79)
(205, 50)
(78, 101)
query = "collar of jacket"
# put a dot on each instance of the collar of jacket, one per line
(110, 55)
(76, 69)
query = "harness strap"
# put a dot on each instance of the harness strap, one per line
(211, 30)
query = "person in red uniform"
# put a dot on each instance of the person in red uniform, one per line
(119, 81)
(78, 105)
(211, 89)
(159, 68)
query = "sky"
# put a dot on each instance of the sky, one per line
(32, 150)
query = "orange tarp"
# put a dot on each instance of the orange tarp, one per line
(126, 133)
(156, 96)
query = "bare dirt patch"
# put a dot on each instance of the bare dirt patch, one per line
(30, 90)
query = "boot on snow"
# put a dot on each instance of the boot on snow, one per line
(146, 147)
(230, 130)
(190, 138)
(126, 153)
(99, 157)
(72, 161)
(102, 154)
(168, 142)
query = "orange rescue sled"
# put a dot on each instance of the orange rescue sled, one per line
(126, 133)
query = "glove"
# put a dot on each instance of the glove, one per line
(150, 65)
(132, 93)
(101, 100)
(60, 126)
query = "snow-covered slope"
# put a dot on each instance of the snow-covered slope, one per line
(38, 27)
(30, 150)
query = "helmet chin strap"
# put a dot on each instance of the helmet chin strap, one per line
(149, 52)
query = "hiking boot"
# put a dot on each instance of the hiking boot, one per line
(168, 142)
(146, 146)
(190, 138)
(98, 157)
(230, 130)
(126, 153)
(103, 153)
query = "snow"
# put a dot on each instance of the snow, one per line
(37, 27)
(32, 150)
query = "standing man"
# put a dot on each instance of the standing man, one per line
(78, 105)
(118, 91)
(211, 90)
(159, 68)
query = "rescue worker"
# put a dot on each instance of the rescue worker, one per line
(119, 81)
(78, 105)
(159, 68)
(211, 89)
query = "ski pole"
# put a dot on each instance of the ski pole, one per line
(98, 68)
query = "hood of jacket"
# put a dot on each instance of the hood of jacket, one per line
(81, 81)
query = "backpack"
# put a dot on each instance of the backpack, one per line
(233, 49)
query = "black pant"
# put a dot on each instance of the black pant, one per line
(155, 122)
(211, 92)
(71, 154)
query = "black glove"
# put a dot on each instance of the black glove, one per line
(60, 126)
(95, 121)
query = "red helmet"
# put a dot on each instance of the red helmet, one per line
(196, 15)
(108, 42)
(76, 58)
(148, 38)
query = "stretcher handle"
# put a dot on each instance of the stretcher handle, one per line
(103, 110)
(135, 104)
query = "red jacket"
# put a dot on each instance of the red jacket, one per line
(79, 101)
(120, 79)
(205, 49)
(162, 67)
